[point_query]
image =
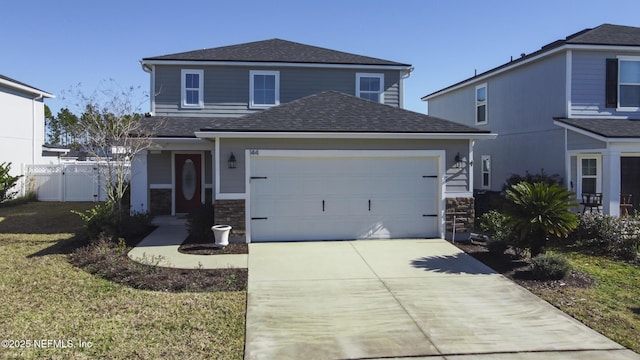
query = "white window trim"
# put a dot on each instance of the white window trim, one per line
(485, 103)
(598, 175)
(380, 76)
(252, 105)
(482, 172)
(620, 59)
(183, 87)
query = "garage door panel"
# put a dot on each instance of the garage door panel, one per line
(331, 198)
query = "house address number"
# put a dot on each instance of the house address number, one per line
(254, 152)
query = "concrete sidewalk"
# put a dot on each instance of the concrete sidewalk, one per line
(160, 248)
(401, 298)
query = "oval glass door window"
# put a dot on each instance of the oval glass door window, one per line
(188, 179)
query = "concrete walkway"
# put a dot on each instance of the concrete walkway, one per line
(160, 248)
(401, 298)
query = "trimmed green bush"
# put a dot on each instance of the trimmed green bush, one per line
(549, 267)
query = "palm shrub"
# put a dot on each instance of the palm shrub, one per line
(537, 210)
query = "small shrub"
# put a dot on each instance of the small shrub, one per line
(608, 235)
(7, 182)
(135, 225)
(100, 219)
(626, 243)
(497, 246)
(104, 222)
(549, 267)
(542, 177)
(494, 224)
(199, 222)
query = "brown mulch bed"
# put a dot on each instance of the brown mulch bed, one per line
(196, 246)
(111, 262)
(518, 270)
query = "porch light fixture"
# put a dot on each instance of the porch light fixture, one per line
(458, 161)
(232, 161)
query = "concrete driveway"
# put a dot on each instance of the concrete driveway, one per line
(401, 298)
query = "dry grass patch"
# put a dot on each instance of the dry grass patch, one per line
(611, 306)
(45, 297)
(602, 293)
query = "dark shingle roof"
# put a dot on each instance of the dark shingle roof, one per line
(605, 34)
(276, 50)
(610, 128)
(330, 112)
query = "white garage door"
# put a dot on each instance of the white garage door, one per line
(308, 196)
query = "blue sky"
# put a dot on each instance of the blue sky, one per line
(56, 45)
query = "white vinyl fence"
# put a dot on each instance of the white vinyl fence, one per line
(68, 181)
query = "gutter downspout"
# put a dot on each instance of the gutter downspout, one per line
(33, 128)
(404, 75)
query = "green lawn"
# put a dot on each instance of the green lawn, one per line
(611, 306)
(45, 298)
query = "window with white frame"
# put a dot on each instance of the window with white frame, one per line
(192, 88)
(486, 171)
(589, 175)
(481, 104)
(264, 88)
(370, 86)
(629, 83)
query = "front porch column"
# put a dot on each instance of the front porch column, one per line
(611, 183)
(139, 183)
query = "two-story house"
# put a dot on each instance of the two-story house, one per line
(297, 142)
(22, 121)
(570, 108)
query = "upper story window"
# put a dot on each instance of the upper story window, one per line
(192, 88)
(264, 88)
(481, 104)
(629, 84)
(623, 83)
(370, 86)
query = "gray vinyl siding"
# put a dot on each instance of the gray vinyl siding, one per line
(521, 104)
(577, 141)
(226, 88)
(159, 168)
(233, 180)
(588, 84)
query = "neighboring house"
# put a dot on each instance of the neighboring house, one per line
(569, 108)
(22, 122)
(296, 142)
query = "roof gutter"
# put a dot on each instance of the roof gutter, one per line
(39, 93)
(345, 135)
(148, 63)
(593, 135)
(526, 60)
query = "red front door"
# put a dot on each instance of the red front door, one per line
(188, 193)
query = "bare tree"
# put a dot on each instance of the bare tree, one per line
(112, 129)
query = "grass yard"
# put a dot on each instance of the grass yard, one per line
(611, 306)
(45, 298)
